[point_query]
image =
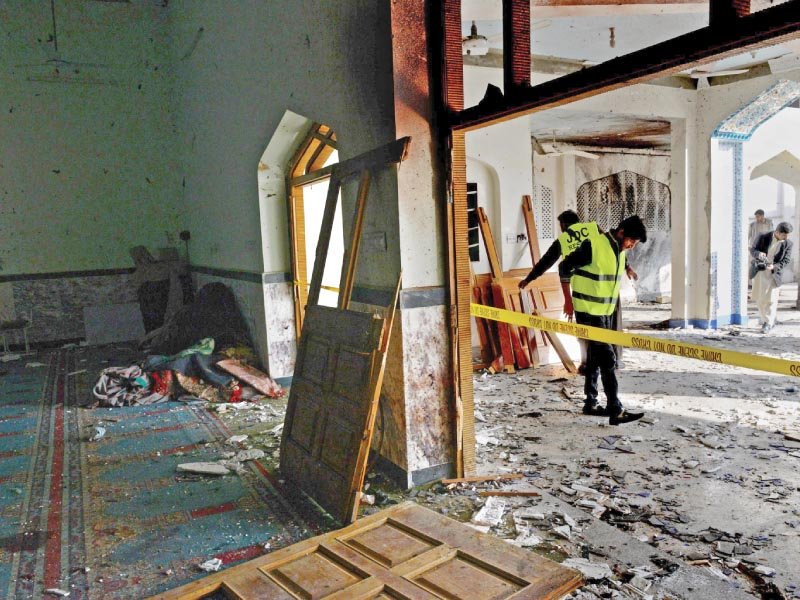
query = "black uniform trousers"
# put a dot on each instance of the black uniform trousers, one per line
(601, 363)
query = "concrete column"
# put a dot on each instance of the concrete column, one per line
(679, 186)
(796, 233)
(699, 257)
(726, 233)
(419, 408)
(740, 265)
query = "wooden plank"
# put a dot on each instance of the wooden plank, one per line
(503, 331)
(252, 377)
(508, 289)
(484, 332)
(504, 493)
(313, 176)
(482, 294)
(350, 259)
(485, 340)
(464, 399)
(764, 28)
(324, 239)
(482, 478)
(552, 339)
(530, 227)
(489, 245)
(405, 551)
(388, 154)
(298, 249)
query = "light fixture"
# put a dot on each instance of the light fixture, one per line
(474, 44)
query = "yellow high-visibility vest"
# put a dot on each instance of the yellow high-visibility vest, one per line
(595, 287)
(574, 236)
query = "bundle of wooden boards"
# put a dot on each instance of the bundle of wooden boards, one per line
(509, 347)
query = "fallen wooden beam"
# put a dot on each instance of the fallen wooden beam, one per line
(480, 478)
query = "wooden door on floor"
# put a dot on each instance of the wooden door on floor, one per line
(404, 552)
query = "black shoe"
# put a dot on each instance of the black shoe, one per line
(596, 410)
(624, 417)
(582, 369)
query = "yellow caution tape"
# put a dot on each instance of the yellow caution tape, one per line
(324, 287)
(640, 342)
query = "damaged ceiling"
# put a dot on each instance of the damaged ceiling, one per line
(587, 128)
(571, 35)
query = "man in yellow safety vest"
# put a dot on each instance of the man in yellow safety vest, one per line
(573, 233)
(596, 268)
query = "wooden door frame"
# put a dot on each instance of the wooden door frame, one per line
(305, 168)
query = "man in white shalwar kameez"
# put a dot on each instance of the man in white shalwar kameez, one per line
(771, 253)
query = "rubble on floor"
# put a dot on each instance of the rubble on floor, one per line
(701, 498)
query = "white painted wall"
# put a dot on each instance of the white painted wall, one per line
(86, 144)
(239, 67)
(505, 149)
(485, 177)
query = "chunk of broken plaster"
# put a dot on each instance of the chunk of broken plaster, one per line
(57, 592)
(564, 531)
(725, 548)
(203, 468)
(491, 513)
(368, 499)
(236, 439)
(529, 513)
(211, 565)
(252, 454)
(711, 442)
(591, 571)
(99, 432)
(764, 570)
(526, 538)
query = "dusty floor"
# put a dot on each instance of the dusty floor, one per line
(700, 500)
(708, 478)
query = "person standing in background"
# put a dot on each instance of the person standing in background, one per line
(760, 225)
(771, 254)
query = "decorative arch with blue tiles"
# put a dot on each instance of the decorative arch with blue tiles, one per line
(733, 131)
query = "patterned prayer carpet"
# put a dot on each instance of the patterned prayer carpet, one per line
(113, 518)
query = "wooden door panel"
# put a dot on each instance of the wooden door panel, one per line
(351, 365)
(254, 584)
(390, 543)
(549, 297)
(405, 552)
(338, 439)
(317, 575)
(462, 576)
(332, 405)
(304, 426)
